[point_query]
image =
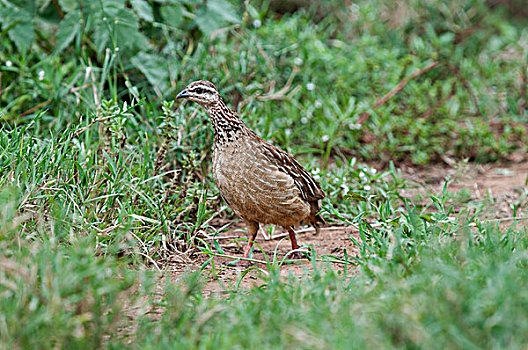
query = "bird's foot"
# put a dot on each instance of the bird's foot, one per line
(299, 255)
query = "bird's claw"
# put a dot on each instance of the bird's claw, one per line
(300, 255)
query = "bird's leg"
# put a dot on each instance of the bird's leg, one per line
(295, 246)
(292, 238)
(252, 227)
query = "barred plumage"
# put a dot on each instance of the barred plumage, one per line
(260, 182)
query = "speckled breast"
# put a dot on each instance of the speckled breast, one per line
(254, 188)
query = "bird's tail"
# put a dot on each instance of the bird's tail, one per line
(316, 223)
(315, 218)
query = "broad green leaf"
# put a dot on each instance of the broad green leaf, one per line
(68, 28)
(22, 35)
(207, 21)
(101, 37)
(223, 9)
(69, 5)
(111, 8)
(217, 14)
(114, 3)
(22, 32)
(154, 68)
(172, 14)
(126, 30)
(143, 10)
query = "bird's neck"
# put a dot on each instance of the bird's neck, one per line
(226, 123)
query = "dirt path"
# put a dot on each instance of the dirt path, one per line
(499, 187)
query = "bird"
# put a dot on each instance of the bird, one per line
(260, 182)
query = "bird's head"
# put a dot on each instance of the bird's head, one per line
(202, 92)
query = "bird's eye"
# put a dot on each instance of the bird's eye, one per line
(199, 91)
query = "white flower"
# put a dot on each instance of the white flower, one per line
(298, 61)
(310, 86)
(345, 189)
(257, 23)
(287, 132)
(367, 187)
(373, 171)
(318, 103)
(354, 126)
(304, 120)
(325, 138)
(41, 74)
(9, 63)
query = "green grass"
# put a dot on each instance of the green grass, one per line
(465, 293)
(429, 282)
(449, 110)
(101, 178)
(62, 295)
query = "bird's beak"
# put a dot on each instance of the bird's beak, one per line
(183, 94)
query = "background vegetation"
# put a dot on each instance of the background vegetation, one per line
(99, 174)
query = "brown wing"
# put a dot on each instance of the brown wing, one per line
(310, 189)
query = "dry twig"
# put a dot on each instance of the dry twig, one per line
(364, 116)
(279, 95)
(37, 107)
(521, 105)
(97, 120)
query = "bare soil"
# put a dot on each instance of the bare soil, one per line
(500, 185)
